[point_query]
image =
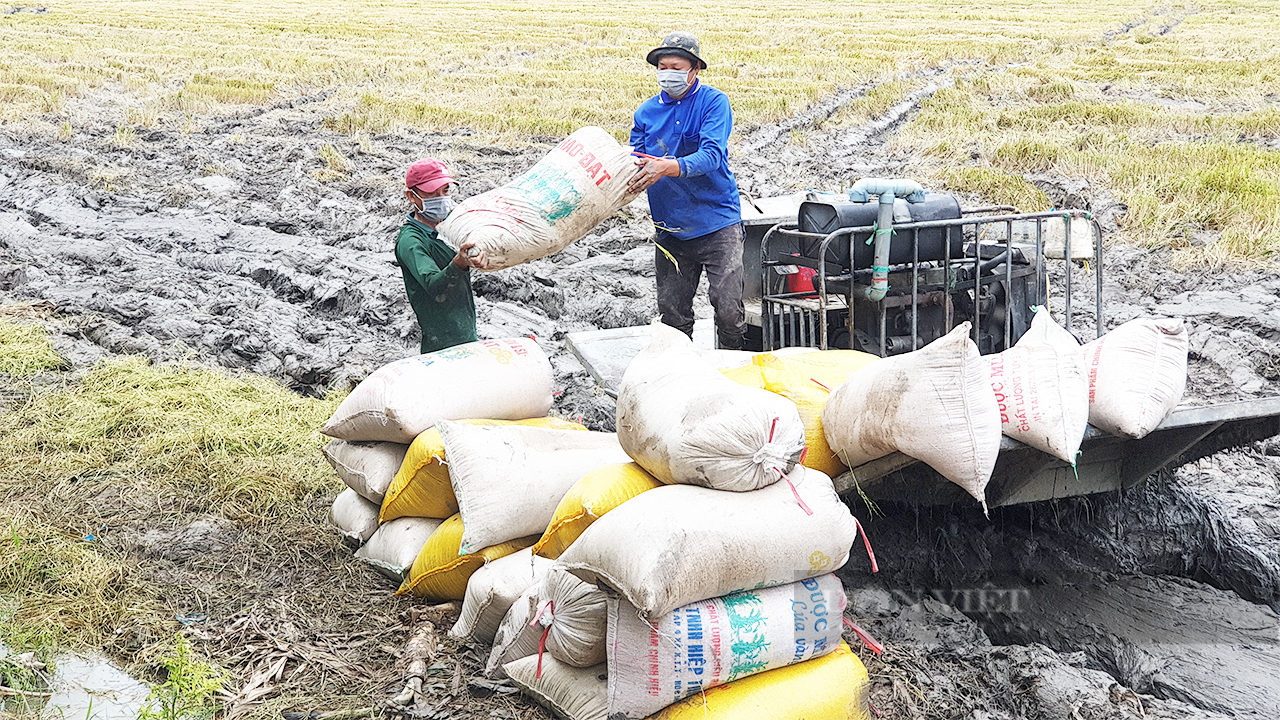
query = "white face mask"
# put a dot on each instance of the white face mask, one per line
(436, 209)
(674, 82)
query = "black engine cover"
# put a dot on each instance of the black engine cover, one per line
(825, 217)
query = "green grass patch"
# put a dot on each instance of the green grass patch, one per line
(1027, 154)
(1052, 91)
(1179, 171)
(497, 66)
(59, 590)
(187, 692)
(877, 100)
(126, 444)
(228, 90)
(951, 110)
(1176, 188)
(226, 444)
(997, 186)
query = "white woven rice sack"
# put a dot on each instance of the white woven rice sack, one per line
(1137, 374)
(492, 589)
(366, 467)
(515, 639)
(355, 517)
(677, 544)
(571, 614)
(395, 545)
(509, 478)
(713, 642)
(1041, 389)
(568, 692)
(575, 619)
(684, 422)
(935, 404)
(497, 379)
(581, 182)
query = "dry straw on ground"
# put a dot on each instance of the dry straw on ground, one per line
(24, 346)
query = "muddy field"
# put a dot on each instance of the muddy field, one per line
(221, 246)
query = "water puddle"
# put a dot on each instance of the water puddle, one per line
(80, 687)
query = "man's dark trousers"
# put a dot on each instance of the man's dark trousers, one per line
(720, 253)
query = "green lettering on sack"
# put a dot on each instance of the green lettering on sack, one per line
(745, 611)
(550, 191)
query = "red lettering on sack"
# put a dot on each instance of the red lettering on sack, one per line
(586, 160)
(1095, 356)
(595, 170)
(717, 669)
(606, 175)
(571, 147)
(998, 389)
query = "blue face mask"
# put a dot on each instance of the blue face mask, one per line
(437, 208)
(674, 82)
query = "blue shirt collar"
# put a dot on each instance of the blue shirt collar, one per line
(666, 99)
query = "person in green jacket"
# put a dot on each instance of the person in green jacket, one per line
(437, 278)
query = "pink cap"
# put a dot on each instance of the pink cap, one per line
(428, 175)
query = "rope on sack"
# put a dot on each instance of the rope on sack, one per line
(547, 608)
(760, 457)
(872, 644)
(867, 542)
(815, 382)
(792, 485)
(767, 452)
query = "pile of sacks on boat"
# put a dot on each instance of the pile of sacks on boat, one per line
(683, 567)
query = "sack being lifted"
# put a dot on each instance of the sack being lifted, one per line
(582, 181)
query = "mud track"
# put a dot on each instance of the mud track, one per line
(221, 245)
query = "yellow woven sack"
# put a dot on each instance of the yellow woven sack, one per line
(598, 492)
(440, 573)
(421, 488)
(807, 380)
(832, 687)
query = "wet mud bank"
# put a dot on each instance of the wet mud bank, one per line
(1168, 590)
(230, 245)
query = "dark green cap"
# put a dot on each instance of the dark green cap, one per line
(678, 43)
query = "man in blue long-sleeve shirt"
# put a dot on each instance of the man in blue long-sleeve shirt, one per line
(693, 197)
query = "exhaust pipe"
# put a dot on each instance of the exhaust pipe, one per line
(888, 191)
